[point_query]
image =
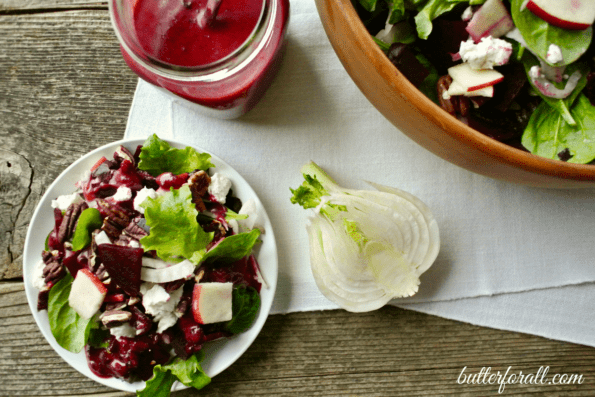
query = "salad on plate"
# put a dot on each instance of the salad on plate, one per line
(519, 71)
(150, 258)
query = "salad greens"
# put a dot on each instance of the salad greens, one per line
(561, 127)
(175, 232)
(158, 156)
(232, 248)
(71, 330)
(188, 372)
(89, 220)
(246, 303)
(539, 35)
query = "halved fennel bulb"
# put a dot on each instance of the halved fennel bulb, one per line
(366, 247)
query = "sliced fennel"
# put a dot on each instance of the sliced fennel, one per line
(366, 247)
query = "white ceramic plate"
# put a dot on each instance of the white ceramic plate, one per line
(218, 354)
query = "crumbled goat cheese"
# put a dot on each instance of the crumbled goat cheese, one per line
(141, 196)
(467, 14)
(535, 72)
(37, 278)
(554, 54)
(486, 54)
(124, 330)
(63, 202)
(123, 194)
(102, 238)
(219, 187)
(161, 305)
(248, 208)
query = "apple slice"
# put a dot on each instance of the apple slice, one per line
(474, 79)
(565, 14)
(86, 294)
(212, 302)
(459, 89)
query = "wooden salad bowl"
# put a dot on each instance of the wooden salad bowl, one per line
(425, 122)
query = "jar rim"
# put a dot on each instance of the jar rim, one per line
(214, 71)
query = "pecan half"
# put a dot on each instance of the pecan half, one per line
(53, 272)
(116, 219)
(114, 318)
(446, 102)
(199, 183)
(69, 221)
(452, 104)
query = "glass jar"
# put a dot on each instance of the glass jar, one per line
(202, 67)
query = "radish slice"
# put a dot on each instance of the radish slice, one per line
(492, 19)
(547, 88)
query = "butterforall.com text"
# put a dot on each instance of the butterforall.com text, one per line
(486, 377)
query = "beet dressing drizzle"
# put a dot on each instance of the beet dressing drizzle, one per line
(182, 40)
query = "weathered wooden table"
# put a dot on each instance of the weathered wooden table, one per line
(64, 90)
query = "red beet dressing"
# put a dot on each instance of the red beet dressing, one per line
(178, 40)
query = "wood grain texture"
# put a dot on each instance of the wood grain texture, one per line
(64, 90)
(332, 353)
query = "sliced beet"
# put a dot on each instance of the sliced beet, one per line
(123, 264)
(445, 39)
(404, 59)
(507, 91)
(127, 175)
(72, 263)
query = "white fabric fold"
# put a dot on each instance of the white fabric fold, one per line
(512, 257)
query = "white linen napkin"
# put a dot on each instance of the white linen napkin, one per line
(499, 240)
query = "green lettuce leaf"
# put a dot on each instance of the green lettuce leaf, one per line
(70, 330)
(189, 372)
(174, 229)
(548, 134)
(245, 306)
(158, 156)
(232, 248)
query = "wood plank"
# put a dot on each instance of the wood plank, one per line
(16, 6)
(64, 90)
(327, 353)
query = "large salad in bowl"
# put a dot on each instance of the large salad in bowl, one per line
(519, 71)
(150, 260)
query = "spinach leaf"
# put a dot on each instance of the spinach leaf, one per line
(70, 330)
(89, 220)
(232, 248)
(547, 134)
(433, 9)
(245, 306)
(539, 34)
